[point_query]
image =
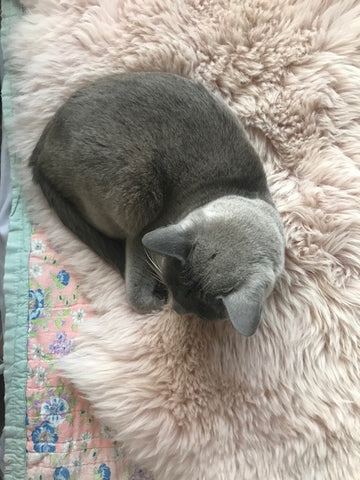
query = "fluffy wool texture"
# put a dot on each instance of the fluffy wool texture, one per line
(197, 401)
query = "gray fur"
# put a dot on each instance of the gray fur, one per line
(157, 160)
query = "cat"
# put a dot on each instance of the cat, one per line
(156, 174)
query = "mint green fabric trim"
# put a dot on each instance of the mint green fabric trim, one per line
(15, 289)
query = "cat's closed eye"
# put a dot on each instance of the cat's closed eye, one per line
(224, 293)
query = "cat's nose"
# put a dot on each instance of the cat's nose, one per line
(178, 308)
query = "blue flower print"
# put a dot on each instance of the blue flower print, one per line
(54, 410)
(36, 303)
(62, 345)
(61, 337)
(104, 472)
(44, 438)
(63, 277)
(61, 473)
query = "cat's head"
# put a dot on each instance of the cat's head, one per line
(222, 260)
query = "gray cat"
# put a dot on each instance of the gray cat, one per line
(155, 160)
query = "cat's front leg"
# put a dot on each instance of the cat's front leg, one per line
(144, 290)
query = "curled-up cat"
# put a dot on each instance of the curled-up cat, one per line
(156, 175)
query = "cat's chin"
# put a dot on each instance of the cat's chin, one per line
(212, 320)
(213, 317)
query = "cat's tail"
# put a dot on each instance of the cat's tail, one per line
(111, 250)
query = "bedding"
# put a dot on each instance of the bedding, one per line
(60, 422)
(5, 202)
(182, 398)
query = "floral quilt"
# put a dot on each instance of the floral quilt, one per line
(64, 440)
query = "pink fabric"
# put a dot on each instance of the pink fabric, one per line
(63, 438)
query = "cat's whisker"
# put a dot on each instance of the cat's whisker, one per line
(156, 276)
(154, 267)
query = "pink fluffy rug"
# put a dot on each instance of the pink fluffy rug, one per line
(199, 402)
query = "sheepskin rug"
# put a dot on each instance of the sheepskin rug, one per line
(193, 401)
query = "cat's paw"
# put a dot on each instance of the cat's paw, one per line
(148, 300)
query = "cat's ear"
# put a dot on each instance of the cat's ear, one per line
(244, 309)
(172, 241)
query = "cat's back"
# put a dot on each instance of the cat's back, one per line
(148, 133)
(155, 117)
(143, 111)
(125, 115)
(138, 121)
